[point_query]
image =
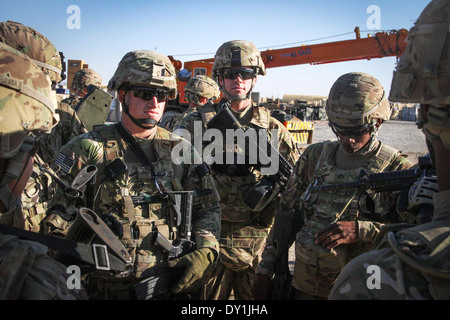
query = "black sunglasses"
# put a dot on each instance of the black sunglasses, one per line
(232, 74)
(353, 131)
(147, 93)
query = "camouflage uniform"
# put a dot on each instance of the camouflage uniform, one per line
(413, 263)
(316, 267)
(196, 88)
(26, 271)
(115, 198)
(244, 231)
(40, 187)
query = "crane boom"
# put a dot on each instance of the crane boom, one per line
(382, 44)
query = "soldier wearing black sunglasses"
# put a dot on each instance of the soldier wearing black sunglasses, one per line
(236, 67)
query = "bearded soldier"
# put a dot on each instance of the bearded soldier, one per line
(137, 163)
(413, 263)
(199, 90)
(335, 229)
(27, 110)
(244, 227)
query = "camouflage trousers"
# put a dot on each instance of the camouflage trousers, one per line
(225, 281)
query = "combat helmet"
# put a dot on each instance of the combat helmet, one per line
(28, 104)
(201, 86)
(28, 107)
(36, 46)
(357, 100)
(235, 54)
(144, 68)
(422, 74)
(84, 77)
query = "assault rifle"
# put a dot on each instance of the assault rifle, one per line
(269, 186)
(388, 181)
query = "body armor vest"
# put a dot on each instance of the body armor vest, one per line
(317, 267)
(116, 196)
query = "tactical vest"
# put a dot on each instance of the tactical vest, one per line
(116, 197)
(243, 232)
(317, 267)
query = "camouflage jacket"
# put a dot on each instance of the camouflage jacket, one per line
(68, 127)
(410, 264)
(316, 267)
(243, 231)
(115, 198)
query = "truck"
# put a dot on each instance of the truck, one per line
(379, 45)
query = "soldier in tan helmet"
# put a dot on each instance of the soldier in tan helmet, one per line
(245, 227)
(27, 110)
(334, 229)
(199, 90)
(81, 80)
(148, 169)
(413, 263)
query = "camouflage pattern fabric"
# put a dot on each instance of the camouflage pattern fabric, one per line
(316, 268)
(27, 273)
(349, 93)
(420, 271)
(100, 147)
(248, 56)
(35, 45)
(68, 127)
(146, 68)
(84, 77)
(202, 86)
(244, 232)
(422, 73)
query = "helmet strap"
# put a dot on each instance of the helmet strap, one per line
(142, 123)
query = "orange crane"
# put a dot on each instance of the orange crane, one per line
(379, 45)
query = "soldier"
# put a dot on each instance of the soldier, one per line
(40, 187)
(27, 109)
(414, 263)
(199, 90)
(81, 80)
(335, 229)
(244, 230)
(149, 169)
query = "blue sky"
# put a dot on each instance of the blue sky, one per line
(188, 28)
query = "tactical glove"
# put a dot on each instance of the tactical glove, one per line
(198, 264)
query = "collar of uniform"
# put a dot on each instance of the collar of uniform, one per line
(260, 117)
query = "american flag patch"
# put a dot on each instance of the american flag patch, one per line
(64, 162)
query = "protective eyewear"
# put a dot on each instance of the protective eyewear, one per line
(147, 93)
(353, 131)
(232, 74)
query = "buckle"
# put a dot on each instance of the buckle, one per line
(101, 257)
